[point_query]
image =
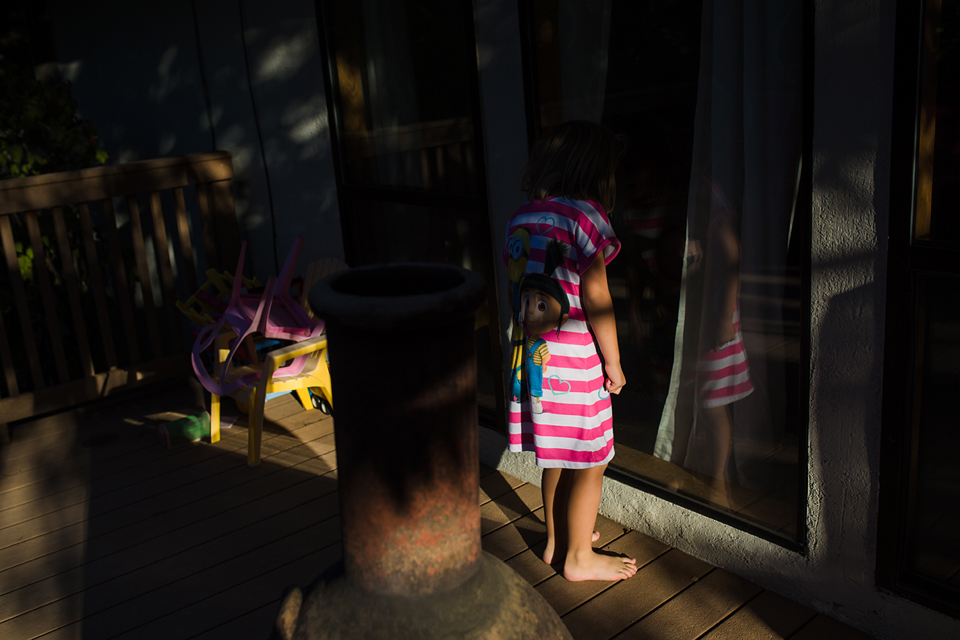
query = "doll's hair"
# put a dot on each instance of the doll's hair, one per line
(577, 160)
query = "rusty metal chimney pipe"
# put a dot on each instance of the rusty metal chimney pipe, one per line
(403, 365)
(403, 371)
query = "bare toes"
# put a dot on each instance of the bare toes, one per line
(600, 567)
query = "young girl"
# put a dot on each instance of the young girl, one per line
(561, 405)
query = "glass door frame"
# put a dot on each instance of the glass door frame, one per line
(908, 261)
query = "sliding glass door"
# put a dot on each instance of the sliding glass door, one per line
(919, 528)
(709, 288)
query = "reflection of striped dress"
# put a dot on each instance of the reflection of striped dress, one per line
(575, 429)
(724, 374)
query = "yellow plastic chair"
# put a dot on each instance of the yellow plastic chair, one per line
(314, 375)
(207, 304)
(301, 368)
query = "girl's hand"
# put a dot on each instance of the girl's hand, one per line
(596, 300)
(693, 256)
(615, 378)
(725, 335)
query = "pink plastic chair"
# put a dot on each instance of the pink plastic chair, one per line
(243, 316)
(273, 314)
(284, 318)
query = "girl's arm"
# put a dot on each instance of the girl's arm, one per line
(724, 270)
(598, 306)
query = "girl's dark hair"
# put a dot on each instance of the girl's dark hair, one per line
(577, 160)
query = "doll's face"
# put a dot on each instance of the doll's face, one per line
(540, 312)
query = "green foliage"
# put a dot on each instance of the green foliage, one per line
(40, 131)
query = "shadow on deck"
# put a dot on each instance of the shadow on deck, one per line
(104, 533)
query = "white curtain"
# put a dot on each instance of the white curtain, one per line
(746, 159)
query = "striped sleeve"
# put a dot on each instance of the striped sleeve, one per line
(594, 235)
(579, 223)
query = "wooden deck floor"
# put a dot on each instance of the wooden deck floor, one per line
(104, 533)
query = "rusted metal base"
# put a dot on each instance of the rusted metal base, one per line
(495, 603)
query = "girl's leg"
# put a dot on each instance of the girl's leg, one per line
(550, 487)
(555, 487)
(720, 428)
(582, 562)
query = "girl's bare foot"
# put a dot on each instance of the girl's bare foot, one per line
(548, 552)
(594, 566)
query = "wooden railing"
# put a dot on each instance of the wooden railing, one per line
(89, 289)
(441, 151)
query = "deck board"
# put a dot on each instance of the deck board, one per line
(509, 507)
(697, 609)
(106, 534)
(822, 626)
(567, 596)
(768, 613)
(625, 603)
(151, 515)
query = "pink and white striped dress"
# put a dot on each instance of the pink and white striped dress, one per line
(575, 429)
(723, 374)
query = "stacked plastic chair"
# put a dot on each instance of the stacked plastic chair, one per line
(299, 367)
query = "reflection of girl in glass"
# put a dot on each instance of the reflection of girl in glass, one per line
(722, 373)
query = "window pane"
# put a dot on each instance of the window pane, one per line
(405, 99)
(707, 285)
(415, 233)
(920, 436)
(938, 161)
(406, 91)
(930, 552)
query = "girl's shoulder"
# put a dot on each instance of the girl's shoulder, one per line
(569, 208)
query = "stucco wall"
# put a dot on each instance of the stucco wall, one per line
(137, 74)
(851, 147)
